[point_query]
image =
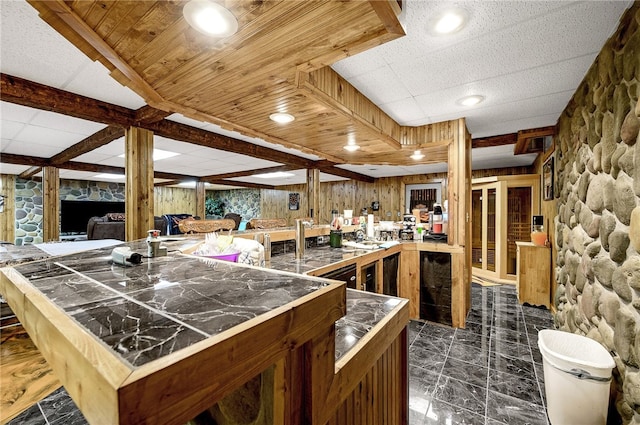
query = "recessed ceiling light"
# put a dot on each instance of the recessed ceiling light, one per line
(159, 154)
(281, 118)
(210, 18)
(110, 176)
(191, 184)
(417, 155)
(277, 174)
(470, 100)
(450, 21)
(351, 146)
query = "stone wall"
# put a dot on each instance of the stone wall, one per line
(245, 202)
(28, 212)
(598, 174)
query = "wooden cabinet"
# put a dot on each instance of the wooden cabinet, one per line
(534, 274)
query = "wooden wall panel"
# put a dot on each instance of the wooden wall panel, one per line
(275, 203)
(8, 215)
(381, 396)
(353, 195)
(51, 204)
(549, 210)
(174, 200)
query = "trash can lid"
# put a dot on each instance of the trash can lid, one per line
(574, 348)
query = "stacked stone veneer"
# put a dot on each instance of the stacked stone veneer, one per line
(598, 223)
(28, 212)
(29, 203)
(245, 202)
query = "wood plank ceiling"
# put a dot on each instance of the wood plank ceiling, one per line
(276, 62)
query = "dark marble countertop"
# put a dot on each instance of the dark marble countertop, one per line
(182, 299)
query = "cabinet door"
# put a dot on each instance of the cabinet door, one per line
(369, 277)
(345, 274)
(390, 275)
(435, 287)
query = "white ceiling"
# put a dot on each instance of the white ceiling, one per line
(525, 57)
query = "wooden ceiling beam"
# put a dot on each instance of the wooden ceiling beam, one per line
(244, 184)
(249, 173)
(527, 142)
(330, 168)
(501, 140)
(30, 172)
(185, 133)
(34, 95)
(148, 114)
(101, 138)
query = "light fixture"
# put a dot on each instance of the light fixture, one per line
(351, 145)
(109, 176)
(470, 100)
(417, 155)
(191, 184)
(449, 21)
(277, 174)
(210, 18)
(281, 118)
(159, 154)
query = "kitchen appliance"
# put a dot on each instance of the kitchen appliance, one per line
(437, 226)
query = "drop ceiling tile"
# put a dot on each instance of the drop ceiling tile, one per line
(43, 136)
(10, 129)
(113, 148)
(484, 128)
(38, 54)
(403, 111)
(65, 123)
(382, 84)
(187, 121)
(359, 64)
(17, 113)
(92, 157)
(30, 149)
(12, 168)
(94, 78)
(176, 146)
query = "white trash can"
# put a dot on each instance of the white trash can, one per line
(577, 377)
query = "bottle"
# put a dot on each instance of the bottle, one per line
(538, 235)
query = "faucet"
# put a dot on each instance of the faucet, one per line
(153, 244)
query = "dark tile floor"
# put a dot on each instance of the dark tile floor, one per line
(489, 373)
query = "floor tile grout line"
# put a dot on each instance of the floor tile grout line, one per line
(535, 371)
(486, 398)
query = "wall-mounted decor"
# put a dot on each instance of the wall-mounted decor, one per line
(1, 203)
(547, 179)
(375, 205)
(294, 201)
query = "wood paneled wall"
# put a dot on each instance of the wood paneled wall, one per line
(549, 210)
(275, 203)
(381, 395)
(350, 194)
(174, 200)
(8, 215)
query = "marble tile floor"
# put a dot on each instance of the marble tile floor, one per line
(489, 373)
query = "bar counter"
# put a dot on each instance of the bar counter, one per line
(164, 340)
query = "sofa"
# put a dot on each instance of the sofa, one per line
(111, 226)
